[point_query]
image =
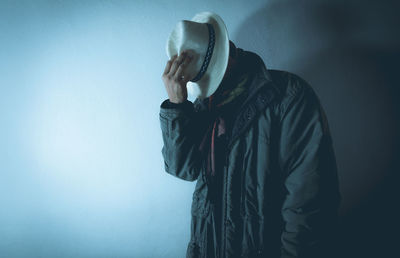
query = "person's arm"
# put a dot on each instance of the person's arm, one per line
(181, 126)
(182, 129)
(307, 158)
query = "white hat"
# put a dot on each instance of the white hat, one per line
(206, 37)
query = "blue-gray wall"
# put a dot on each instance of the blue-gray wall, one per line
(81, 171)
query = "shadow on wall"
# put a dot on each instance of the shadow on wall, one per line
(349, 52)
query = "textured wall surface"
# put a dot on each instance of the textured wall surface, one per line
(81, 171)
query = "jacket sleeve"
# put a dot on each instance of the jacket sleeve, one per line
(307, 159)
(181, 128)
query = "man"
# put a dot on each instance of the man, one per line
(257, 143)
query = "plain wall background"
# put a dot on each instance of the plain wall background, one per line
(81, 171)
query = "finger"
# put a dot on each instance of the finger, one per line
(176, 63)
(182, 57)
(167, 67)
(185, 62)
(169, 63)
(179, 73)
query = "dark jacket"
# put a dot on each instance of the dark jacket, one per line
(280, 193)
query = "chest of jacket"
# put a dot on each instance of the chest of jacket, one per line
(250, 189)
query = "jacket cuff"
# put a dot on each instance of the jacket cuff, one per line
(169, 109)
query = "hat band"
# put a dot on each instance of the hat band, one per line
(207, 58)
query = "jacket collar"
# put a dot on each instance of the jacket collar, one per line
(262, 92)
(261, 80)
(262, 77)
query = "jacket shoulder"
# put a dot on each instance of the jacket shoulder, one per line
(289, 84)
(294, 91)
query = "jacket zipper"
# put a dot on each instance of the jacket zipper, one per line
(224, 208)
